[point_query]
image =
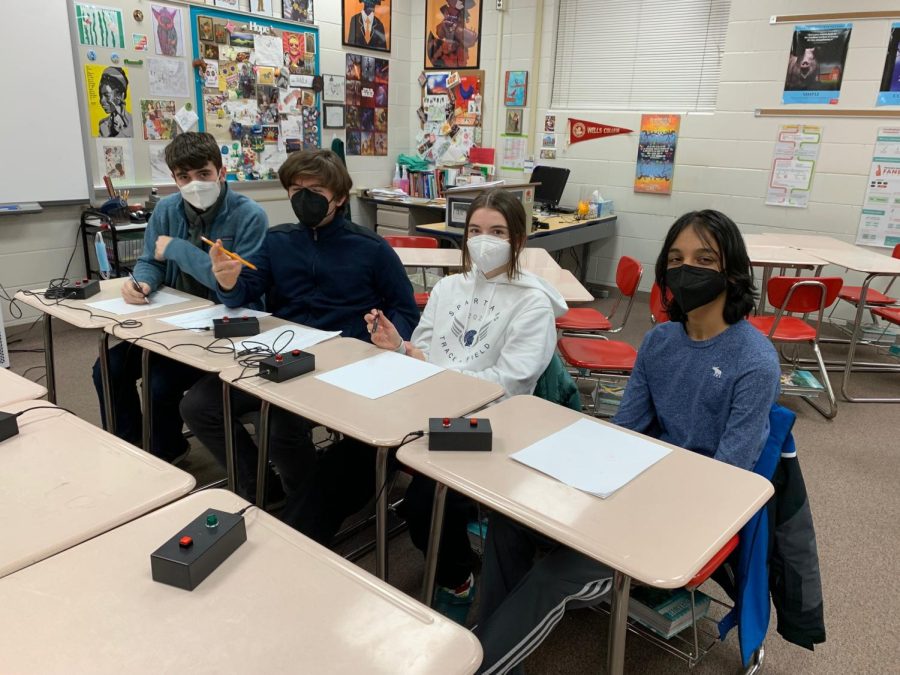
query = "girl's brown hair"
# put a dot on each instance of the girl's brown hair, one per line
(508, 206)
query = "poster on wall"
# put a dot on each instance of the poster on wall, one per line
(793, 165)
(816, 63)
(889, 92)
(367, 24)
(512, 152)
(583, 130)
(515, 91)
(115, 159)
(366, 111)
(109, 103)
(169, 30)
(99, 26)
(452, 34)
(298, 10)
(656, 153)
(879, 223)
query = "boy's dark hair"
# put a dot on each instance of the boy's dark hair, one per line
(513, 212)
(323, 165)
(192, 150)
(713, 226)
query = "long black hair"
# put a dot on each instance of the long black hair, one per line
(714, 226)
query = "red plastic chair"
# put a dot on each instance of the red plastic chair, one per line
(658, 313)
(873, 298)
(581, 320)
(403, 241)
(891, 314)
(801, 295)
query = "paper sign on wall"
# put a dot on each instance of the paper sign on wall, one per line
(791, 177)
(656, 153)
(879, 223)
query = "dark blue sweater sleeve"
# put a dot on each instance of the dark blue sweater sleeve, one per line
(395, 290)
(251, 284)
(637, 412)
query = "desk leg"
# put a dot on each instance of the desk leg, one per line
(618, 623)
(108, 403)
(585, 253)
(146, 403)
(48, 358)
(229, 436)
(381, 514)
(262, 462)
(434, 542)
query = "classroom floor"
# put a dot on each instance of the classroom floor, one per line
(850, 465)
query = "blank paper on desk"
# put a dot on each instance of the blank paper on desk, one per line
(592, 457)
(380, 375)
(157, 299)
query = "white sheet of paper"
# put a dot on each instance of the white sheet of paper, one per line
(592, 457)
(186, 118)
(168, 78)
(269, 50)
(160, 172)
(203, 318)
(280, 339)
(380, 375)
(119, 306)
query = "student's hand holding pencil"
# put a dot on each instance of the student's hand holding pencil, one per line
(224, 268)
(382, 331)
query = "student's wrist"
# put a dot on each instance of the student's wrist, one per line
(401, 348)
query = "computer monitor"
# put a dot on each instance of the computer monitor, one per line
(552, 181)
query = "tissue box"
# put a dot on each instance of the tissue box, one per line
(605, 208)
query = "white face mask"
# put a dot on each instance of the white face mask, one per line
(201, 194)
(489, 253)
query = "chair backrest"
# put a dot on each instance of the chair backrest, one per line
(403, 241)
(803, 294)
(658, 313)
(628, 275)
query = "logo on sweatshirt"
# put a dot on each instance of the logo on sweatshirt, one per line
(469, 330)
(717, 372)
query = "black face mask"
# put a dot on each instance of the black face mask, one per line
(310, 207)
(693, 287)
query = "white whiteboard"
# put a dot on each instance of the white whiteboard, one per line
(40, 126)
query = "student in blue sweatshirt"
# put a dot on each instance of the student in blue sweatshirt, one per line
(704, 381)
(175, 256)
(322, 271)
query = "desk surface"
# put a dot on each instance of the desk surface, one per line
(556, 223)
(859, 259)
(186, 346)
(782, 255)
(72, 311)
(802, 241)
(661, 528)
(66, 481)
(381, 422)
(280, 603)
(14, 388)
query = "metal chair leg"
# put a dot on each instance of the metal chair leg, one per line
(832, 409)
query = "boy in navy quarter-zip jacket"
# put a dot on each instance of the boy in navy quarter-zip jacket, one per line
(324, 272)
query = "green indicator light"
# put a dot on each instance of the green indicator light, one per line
(212, 520)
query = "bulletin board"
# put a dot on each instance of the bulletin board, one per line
(137, 88)
(450, 115)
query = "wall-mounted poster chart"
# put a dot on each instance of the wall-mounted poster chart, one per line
(879, 223)
(889, 93)
(816, 63)
(656, 153)
(256, 89)
(796, 153)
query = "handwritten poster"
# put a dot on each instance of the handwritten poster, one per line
(879, 223)
(796, 152)
(512, 153)
(656, 153)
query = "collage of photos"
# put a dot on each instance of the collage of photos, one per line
(451, 115)
(258, 96)
(366, 112)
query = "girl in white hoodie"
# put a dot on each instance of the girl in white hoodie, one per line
(494, 321)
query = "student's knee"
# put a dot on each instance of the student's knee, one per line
(199, 405)
(98, 376)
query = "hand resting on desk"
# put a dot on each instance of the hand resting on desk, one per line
(132, 297)
(225, 270)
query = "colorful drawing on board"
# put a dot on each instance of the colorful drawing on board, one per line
(367, 24)
(656, 153)
(816, 63)
(453, 34)
(298, 10)
(261, 7)
(158, 118)
(109, 103)
(514, 121)
(99, 26)
(516, 89)
(889, 93)
(205, 30)
(114, 159)
(220, 33)
(139, 42)
(294, 49)
(169, 30)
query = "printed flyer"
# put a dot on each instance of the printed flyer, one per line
(879, 223)
(656, 153)
(796, 152)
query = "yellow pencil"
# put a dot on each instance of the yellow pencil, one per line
(233, 256)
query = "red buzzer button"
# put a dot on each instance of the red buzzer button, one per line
(296, 352)
(86, 280)
(446, 422)
(225, 319)
(279, 358)
(245, 318)
(78, 283)
(185, 541)
(473, 422)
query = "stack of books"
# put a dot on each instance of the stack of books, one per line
(665, 612)
(607, 396)
(800, 383)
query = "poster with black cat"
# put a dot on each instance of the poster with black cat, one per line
(816, 63)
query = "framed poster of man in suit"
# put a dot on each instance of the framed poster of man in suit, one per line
(367, 24)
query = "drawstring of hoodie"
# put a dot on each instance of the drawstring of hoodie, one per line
(479, 277)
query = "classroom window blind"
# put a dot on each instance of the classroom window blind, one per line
(662, 55)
